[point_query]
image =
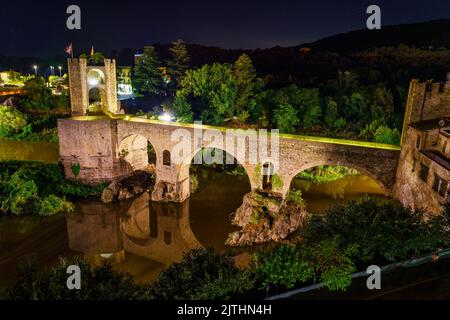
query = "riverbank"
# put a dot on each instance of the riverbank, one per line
(39, 188)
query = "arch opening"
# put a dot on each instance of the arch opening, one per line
(217, 190)
(323, 186)
(97, 100)
(137, 153)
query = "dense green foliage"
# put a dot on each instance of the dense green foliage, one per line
(326, 173)
(218, 92)
(17, 126)
(39, 97)
(201, 274)
(11, 121)
(178, 63)
(97, 283)
(382, 230)
(38, 188)
(342, 107)
(357, 234)
(288, 265)
(147, 75)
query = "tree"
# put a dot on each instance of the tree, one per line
(387, 135)
(382, 102)
(308, 103)
(178, 63)
(182, 108)
(246, 83)
(147, 75)
(96, 59)
(356, 107)
(11, 121)
(37, 95)
(331, 113)
(210, 92)
(285, 118)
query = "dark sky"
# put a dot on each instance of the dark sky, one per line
(38, 28)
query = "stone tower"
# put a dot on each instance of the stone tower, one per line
(85, 79)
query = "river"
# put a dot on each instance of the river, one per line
(143, 237)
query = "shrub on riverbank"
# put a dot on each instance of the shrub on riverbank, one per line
(201, 274)
(18, 126)
(383, 230)
(98, 283)
(39, 188)
(349, 237)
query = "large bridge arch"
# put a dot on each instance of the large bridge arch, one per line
(387, 190)
(184, 168)
(133, 153)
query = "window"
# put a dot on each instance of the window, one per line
(414, 164)
(423, 174)
(418, 142)
(167, 237)
(166, 158)
(441, 87)
(440, 185)
(436, 183)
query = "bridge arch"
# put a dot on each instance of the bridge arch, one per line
(184, 168)
(135, 153)
(364, 171)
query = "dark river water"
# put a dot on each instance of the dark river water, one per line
(143, 237)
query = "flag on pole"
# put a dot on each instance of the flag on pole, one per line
(69, 50)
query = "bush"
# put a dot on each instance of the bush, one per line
(11, 121)
(97, 283)
(201, 274)
(288, 265)
(383, 230)
(18, 195)
(295, 196)
(34, 187)
(52, 204)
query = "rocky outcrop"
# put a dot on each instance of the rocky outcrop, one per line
(264, 219)
(130, 187)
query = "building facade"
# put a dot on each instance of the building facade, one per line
(423, 174)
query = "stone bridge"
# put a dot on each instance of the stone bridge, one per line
(108, 148)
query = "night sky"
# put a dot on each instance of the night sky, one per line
(38, 28)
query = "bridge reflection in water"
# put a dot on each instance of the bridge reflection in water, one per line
(153, 231)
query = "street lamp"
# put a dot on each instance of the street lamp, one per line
(35, 70)
(60, 71)
(52, 70)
